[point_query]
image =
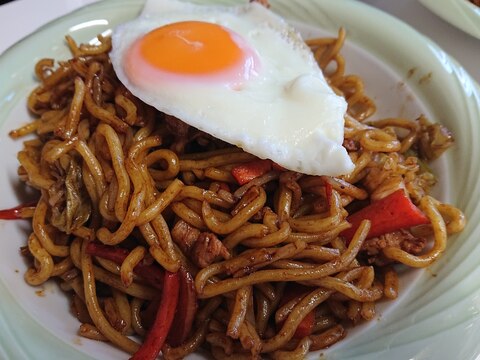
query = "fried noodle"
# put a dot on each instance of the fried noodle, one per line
(114, 172)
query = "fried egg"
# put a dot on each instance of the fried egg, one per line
(239, 73)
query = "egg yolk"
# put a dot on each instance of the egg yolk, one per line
(190, 47)
(193, 50)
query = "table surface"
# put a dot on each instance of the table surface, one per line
(19, 15)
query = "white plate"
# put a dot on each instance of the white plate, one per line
(437, 315)
(34, 14)
(460, 13)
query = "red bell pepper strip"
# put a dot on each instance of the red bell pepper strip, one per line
(186, 310)
(277, 167)
(305, 327)
(152, 273)
(117, 255)
(16, 212)
(148, 315)
(246, 172)
(157, 334)
(224, 186)
(394, 212)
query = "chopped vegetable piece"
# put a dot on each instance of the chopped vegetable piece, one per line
(246, 172)
(148, 315)
(394, 212)
(16, 212)
(152, 273)
(277, 167)
(306, 325)
(224, 186)
(186, 310)
(157, 334)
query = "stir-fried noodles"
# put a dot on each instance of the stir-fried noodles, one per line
(141, 217)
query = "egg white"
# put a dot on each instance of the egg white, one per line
(287, 113)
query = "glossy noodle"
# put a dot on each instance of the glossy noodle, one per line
(129, 196)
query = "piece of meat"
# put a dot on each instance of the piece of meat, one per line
(180, 132)
(434, 139)
(200, 247)
(400, 239)
(185, 236)
(351, 145)
(206, 249)
(176, 126)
